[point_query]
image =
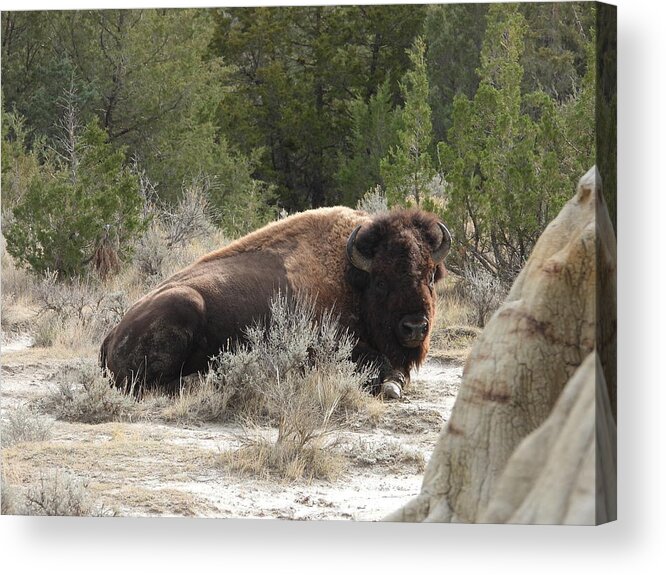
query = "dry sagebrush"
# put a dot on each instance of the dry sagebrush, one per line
(484, 291)
(82, 393)
(297, 374)
(59, 493)
(374, 201)
(21, 424)
(75, 313)
(177, 235)
(56, 492)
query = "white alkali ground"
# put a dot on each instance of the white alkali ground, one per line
(373, 485)
(23, 341)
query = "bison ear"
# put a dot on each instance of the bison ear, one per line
(356, 258)
(440, 252)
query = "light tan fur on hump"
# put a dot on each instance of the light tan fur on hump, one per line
(312, 244)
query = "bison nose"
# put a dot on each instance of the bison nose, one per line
(413, 327)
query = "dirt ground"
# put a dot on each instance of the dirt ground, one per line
(155, 469)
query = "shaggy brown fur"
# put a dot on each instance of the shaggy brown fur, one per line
(176, 328)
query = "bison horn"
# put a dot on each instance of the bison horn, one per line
(439, 254)
(357, 259)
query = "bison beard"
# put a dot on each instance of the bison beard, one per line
(377, 273)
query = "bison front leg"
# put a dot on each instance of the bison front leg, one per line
(388, 382)
(393, 384)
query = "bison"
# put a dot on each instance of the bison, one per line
(377, 272)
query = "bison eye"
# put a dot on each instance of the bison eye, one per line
(381, 287)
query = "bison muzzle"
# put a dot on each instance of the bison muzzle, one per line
(377, 273)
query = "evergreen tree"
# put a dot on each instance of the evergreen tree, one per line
(373, 132)
(508, 162)
(554, 59)
(298, 69)
(84, 196)
(454, 34)
(147, 75)
(407, 170)
(297, 107)
(19, 163)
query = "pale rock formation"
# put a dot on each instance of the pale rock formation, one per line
(517, 448)
(564, 471)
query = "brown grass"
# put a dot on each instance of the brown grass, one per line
(453, 333)
(17, 314)
(392, 455)
(369, 414)
(200, 400)
(452, 308)
(157, 501)
(412, 420)
(284, 460)
(111, 452)
(109, 464)
(15, 280)
(18, 307)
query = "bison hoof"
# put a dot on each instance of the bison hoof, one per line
(391, 390)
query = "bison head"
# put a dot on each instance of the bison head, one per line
(395, 262)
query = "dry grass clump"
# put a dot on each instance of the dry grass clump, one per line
(296, 374)
(20, 424)
(155, 259)
(452, 305)
(188, 253)
(60, 494)
(71, 315)
(82, 393)
(67, 336)
(410, 419)
(159, 502)
(200, 400)
(151, 251)
(285, 460)
(15, 280)
(370, 416)
(464, 304)
(453, 312)
(453, 343)
(16, 314)
(391, 454)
